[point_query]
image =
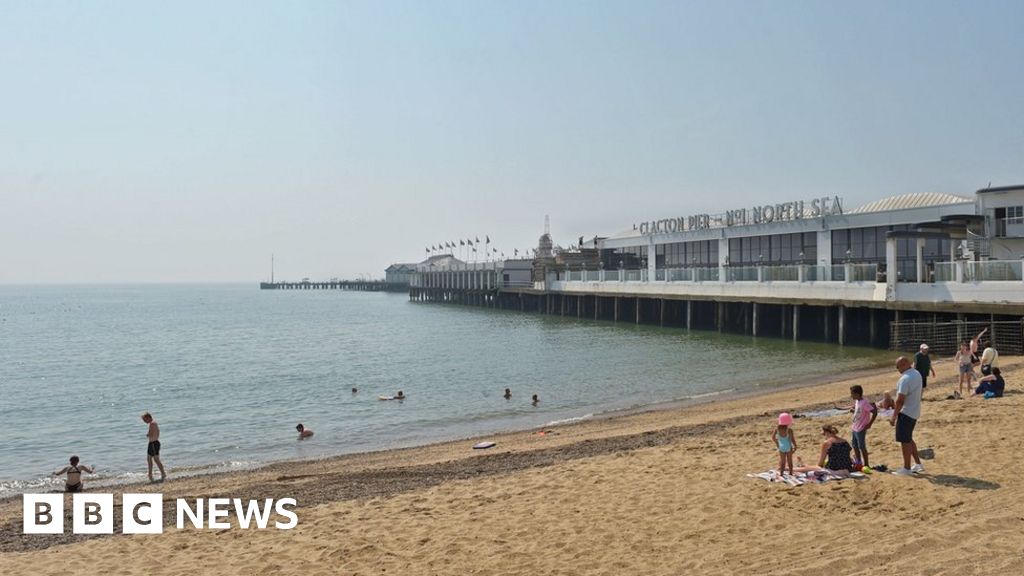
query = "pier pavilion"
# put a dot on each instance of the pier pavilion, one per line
(880, 274)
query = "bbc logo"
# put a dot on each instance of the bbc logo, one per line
(93, 513)
(144, 513)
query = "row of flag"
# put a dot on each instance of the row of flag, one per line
(452, 244)
(470, 244)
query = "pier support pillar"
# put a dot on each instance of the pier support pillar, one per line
(597, 307)
(661, 313)
(638, 310)
(796, 322)
(522, 303)
(689, 314)
(753, 318)
(561, 300)
(828, 323)
(579, 306)
(616, 313)
(842, 325)
(719, 315)
(872, 329)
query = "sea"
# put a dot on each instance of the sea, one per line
(229, 370)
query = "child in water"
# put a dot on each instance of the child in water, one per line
(785, 442)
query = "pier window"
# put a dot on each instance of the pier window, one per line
(773, 250)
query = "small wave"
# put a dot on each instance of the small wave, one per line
(709, 394)
(570, 420)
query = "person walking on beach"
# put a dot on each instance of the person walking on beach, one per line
(785, 442)
(74, 472)
(153, 448)
(923, 365)
(965, 369)
(906, 415)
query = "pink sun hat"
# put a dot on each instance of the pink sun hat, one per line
(785, 419)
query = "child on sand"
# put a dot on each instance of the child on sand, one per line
(887, 403)
(74, 472)
(864, 414)
(785, 442)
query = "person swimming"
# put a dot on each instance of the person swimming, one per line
(508, 394)
(536, 400)
(74, 472)
(303, 431)
(400, 396)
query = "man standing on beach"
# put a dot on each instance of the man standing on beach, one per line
(906, 414)
(923, 365)
(153, 449)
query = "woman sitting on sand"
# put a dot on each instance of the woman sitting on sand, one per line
(74, 472)
(835, 454)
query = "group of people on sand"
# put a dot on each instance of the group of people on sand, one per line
(990, 383)
(74, 469)
(835, 453)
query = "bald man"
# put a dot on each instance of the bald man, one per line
(906, 414)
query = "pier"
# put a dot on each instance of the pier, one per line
(851, 307)
(353, 285)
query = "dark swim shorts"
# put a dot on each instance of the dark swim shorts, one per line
(905, 428)
(154, 448)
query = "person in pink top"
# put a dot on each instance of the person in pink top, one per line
(864, 414)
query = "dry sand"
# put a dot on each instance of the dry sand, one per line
(654, 493)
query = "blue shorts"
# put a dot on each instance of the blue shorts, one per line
(860, 440)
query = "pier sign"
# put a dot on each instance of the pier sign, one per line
(763, 214)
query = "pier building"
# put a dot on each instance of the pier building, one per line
(887, 273)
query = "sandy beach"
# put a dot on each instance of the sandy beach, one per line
(662, 492)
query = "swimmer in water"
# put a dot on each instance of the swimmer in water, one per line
(399, 396)
(536, 400)
(508, 394)
(303, 432)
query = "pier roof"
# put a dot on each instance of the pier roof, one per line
(914, 200)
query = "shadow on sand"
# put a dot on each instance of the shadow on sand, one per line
(961, 482)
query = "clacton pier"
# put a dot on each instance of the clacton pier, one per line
(891, 273)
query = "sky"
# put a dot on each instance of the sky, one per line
(189, 141)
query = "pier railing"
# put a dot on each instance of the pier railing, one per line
(984, 271)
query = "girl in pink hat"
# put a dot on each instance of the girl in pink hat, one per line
(785, 442)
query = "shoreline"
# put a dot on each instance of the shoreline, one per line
(119, 485)
(637, 493)
(515, 450)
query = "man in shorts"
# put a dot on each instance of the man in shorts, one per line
(153, 448)
(906, 414)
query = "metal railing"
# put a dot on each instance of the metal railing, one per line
(741, 274)
(993, 271)
(780, 274)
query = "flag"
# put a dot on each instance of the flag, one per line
(517, 251)
(488, 239)
(474, 248)
(427, 250)
(477, 239)
(495, 250)
(461, 243)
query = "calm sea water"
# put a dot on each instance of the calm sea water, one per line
(229, 370)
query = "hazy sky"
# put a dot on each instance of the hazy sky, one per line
(144, 141)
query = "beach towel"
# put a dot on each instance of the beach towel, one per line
(800, 478)
(827, 413)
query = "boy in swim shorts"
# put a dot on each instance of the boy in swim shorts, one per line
(153, 448)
